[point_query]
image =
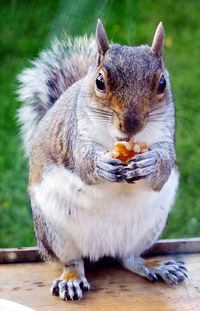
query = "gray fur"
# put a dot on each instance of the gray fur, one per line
(131, 70)
(55, 70)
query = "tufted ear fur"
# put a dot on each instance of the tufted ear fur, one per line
(101, 38)
(158, 40)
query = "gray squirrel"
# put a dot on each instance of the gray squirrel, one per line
(80, 97)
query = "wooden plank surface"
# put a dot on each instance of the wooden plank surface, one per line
(114, 289)
(161, 247)
(175, 246)
(26, 254)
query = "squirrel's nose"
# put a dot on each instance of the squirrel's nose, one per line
(131, 124)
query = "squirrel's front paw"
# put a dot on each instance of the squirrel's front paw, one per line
(110, 169)
(141, 166)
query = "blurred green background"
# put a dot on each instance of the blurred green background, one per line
(27, 27)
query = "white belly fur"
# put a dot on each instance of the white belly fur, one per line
(106, 219)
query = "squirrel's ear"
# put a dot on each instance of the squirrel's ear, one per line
(102, 39)
(158, 40)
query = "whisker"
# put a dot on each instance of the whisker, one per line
(98, 110)
(161, 113)
(157, 108)
(154, 123)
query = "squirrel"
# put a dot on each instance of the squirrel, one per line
(80, 97)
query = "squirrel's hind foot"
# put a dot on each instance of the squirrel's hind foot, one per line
(70, 290)
(171, 272)
(72, 283)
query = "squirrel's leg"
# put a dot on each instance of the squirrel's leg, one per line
(72, 282)
(171, 272)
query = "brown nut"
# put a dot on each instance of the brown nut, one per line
(125, 151)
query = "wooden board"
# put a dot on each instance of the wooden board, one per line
(114, 289)
(161, 247)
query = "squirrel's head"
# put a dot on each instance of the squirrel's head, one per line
(129, 82)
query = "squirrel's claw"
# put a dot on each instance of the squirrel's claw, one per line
(115, 170)
(110, 169)
(70, 290)
(102, 158)
(113, 177)
(140, 166)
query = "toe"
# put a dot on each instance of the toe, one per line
(78, 291)
(181, 277)
(169, 262)
(85, 284)
(152, 276)
(54, 288)
(70, 290)
(63, 290)
(170, 278)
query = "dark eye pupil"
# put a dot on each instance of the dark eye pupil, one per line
(162, 85)
(100, 82)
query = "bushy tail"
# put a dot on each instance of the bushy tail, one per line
(51, 74)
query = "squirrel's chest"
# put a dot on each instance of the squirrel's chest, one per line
(102, 197)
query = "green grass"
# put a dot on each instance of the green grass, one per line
(28, 27)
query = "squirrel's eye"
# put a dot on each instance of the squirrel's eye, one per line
(162, 85)
(100, 83)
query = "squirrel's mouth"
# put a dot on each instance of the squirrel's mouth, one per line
(118, 135)
(125, 138)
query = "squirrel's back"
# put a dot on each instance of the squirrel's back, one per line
(55, 70)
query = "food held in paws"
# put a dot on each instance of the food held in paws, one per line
(125, 151)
